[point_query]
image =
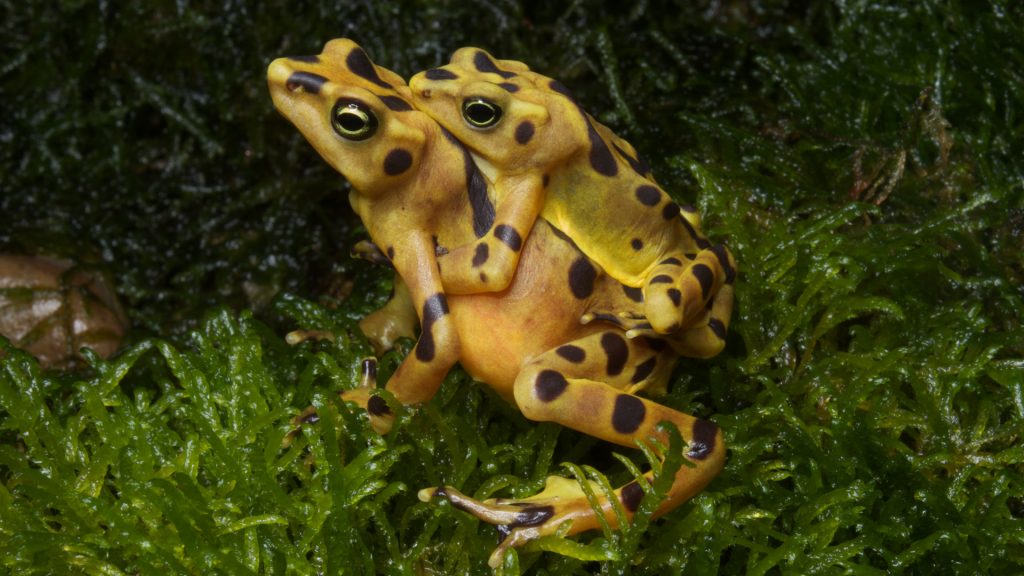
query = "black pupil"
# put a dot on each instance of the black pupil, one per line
(480, 112)
(351, 121)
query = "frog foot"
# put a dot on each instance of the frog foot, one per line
(381, 417)
(676, 295)
(522, 520)
(365, 395)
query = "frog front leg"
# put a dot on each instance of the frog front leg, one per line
(489, 264)
(583, 385)
(437, 348)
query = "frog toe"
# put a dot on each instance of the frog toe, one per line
(517, 521)
(633, 323)
(367, 398)
(367, 250)
(665, 310)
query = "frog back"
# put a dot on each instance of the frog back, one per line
(520, 123)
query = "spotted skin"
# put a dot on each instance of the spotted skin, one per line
(573, 354)
(629, 413)
(581, 278)
(440, 74)
(387, 176)
(376, 406)
(397, 162)
(552, 386)
(396, 103)
(643, 371)
(631, 495)
(616, 352)
(435, 308)
(582, 178)
(524, 132)
(509, 237)
(525, 341)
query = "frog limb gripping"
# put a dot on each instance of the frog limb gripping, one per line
(587, 385)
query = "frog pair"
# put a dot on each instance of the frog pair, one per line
(530, 242)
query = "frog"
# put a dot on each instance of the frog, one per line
(549, 157)
(526, 341)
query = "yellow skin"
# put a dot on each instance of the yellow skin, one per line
(525, 341)
(548, 157)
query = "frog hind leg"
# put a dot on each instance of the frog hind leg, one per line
(706, 338)
(676, 290)
(586, 385)
(364, 396)
(361, 395)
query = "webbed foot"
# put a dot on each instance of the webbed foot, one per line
(519, 521)
(365, 395)
(678, 290)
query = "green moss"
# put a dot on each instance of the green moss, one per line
(862, 160)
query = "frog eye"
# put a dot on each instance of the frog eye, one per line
(353, 120)
(481, 112)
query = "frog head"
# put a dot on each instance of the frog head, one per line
(515, 119)
(356, 114)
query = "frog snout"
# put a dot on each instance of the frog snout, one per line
(278, 72)
(420, 86)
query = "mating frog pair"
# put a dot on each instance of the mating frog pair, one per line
(509, 259)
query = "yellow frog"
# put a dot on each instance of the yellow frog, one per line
(548, 157)
(417, 191)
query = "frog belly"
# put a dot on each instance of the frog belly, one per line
(497, 340)
(500, 332)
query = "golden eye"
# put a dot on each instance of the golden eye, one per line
(353, 120)
(481, 112)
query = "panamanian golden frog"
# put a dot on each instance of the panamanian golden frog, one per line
(418, 191)
(547, 156)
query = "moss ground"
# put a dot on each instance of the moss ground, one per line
(863, 160)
